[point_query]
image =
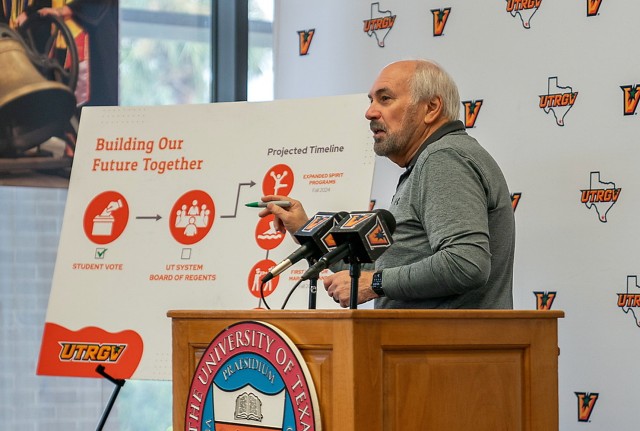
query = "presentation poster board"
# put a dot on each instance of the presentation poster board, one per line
(156, 220)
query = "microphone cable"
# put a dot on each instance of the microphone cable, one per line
(295, 286)
(262, 295)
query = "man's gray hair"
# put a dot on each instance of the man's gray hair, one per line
(431, 80)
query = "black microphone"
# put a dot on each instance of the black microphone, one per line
(362, 237)
(315, 239)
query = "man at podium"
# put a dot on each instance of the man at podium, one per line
(455, 231)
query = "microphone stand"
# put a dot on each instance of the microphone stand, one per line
(313, 287)
(313, 290)
(354, 272)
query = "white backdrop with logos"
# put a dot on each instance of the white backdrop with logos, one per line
(551, 89)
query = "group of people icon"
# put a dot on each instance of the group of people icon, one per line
(193, 218)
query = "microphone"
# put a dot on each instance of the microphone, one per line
(362, 237)
(315, 239)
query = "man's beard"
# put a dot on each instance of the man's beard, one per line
(393, 142)
(388, 145)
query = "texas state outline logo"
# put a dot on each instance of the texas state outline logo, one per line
(601, 195)
(379, 24)
(524, 9)
(629, 301)
(252, 378)
(558, 100)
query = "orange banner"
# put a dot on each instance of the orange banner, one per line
(78, 353)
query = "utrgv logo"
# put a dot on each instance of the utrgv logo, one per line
(586, 403)
(471, 111)
(629, 301)
(440, 17)
(525, 8)
(631, 98)
(305, 37)
(544, 300)
(600, 195)
(593, 6)
(377, 236)
(558, 100)
(380, 23)
(93, 352)
(515, 200)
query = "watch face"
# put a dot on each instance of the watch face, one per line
(376, 284)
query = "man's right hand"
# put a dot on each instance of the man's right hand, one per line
(287, 219)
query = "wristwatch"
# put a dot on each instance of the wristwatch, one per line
(376, 283)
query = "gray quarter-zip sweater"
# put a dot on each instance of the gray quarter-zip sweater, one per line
(455, 234)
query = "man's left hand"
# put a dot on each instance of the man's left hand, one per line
(338, 286)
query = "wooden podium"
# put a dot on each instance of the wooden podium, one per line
(405, 370)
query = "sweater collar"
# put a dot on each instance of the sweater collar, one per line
(445, 129)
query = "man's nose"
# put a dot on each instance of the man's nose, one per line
(372, 113)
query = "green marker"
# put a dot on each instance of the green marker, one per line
(283, 204)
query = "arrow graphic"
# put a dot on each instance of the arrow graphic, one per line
(156, 217)
(235, 211)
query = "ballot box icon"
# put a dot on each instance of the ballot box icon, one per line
(106, 217)
(102, 225)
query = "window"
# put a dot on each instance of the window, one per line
(260, 73)
(167, 53)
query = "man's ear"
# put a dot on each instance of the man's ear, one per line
(433, 110)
